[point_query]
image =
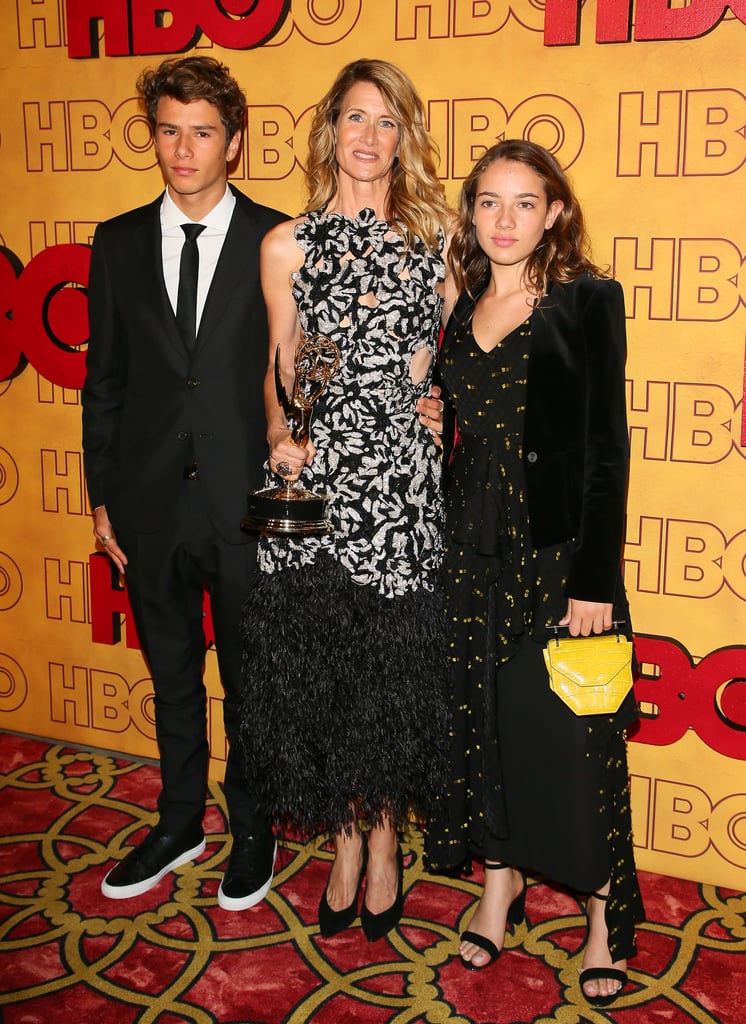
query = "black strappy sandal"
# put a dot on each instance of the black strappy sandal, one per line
(516, 914)
(597, 973)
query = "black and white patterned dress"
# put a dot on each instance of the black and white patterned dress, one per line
(344, 702)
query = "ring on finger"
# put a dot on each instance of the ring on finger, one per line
(283, 469)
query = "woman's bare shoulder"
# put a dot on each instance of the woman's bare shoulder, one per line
(282, 233)
(279, 245)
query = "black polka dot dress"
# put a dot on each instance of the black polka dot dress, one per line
(530, 783)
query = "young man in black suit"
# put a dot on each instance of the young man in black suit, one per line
(173, 438)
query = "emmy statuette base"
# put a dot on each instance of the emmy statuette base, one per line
(287, 512)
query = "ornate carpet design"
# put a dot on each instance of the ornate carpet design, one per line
(172, 955)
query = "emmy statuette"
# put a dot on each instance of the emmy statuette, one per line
(289, 510)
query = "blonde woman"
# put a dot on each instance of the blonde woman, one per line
(345, 706)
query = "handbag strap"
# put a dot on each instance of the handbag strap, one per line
(614, 631)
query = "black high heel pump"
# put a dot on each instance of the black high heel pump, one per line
(331, 922)
(375, 926)
(516, 914)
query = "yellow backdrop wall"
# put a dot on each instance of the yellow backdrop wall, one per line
(643, 103)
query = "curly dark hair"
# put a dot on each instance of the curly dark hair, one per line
(195, 78)
(564, 251)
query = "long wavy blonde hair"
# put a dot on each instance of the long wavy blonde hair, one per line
(416, 202)
(564, 251)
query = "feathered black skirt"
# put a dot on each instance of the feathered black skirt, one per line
(345, 712)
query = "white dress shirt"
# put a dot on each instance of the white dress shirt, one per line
(209, 243)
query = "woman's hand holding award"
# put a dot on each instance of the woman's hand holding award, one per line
(289, 510)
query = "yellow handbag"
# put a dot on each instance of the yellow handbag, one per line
(593, 674)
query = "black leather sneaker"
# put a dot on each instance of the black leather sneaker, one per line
(146, 864)
(249, 874)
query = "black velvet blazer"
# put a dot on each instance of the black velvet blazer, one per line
(575, 443)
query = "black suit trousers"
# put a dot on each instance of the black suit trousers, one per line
(166, 573)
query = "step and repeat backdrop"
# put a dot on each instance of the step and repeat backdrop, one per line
(643, 102)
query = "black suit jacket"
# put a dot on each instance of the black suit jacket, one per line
(149, 406)
(575, 442)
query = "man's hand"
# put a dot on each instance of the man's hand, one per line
(103, 531)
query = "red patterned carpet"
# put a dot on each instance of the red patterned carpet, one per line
(69, 955)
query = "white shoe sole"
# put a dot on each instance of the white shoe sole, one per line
(244, 902)
(126, 892)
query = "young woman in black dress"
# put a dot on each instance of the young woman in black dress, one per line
(533, 362)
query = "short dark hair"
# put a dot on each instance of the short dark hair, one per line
(195, 78)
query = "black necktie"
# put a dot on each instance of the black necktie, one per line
(186, 300)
